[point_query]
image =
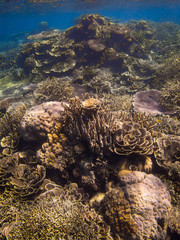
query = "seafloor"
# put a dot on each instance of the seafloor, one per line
(89, 132)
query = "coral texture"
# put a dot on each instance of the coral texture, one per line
(40, 120)
(58, 217)
(21, 174)
(149, 102)
(139, 208)
(168, 150)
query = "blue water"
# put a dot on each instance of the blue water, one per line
(19, 16)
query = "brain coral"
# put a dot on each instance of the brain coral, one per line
(138, 207)
(116, 211)
(149, 202)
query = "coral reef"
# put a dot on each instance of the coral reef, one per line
(9, 130)
(104, 132)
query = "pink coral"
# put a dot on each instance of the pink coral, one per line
(150, 204)
(148, 102)
(40, 120)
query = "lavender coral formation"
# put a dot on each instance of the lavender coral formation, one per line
(40, 120)
(139, 208)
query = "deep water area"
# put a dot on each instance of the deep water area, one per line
(89, 120)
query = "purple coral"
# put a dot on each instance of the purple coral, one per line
(148, 102)
(150, 204)
(40, 120)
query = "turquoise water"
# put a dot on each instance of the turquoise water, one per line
(21, 16)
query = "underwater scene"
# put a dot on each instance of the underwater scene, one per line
(89, 120)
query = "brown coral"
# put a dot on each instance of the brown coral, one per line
(132, 138)
(10, 132)
(139, 208)
(117, 213)
(21, 173)
(53, 89)
(56, 152)
(62, 216)
(168, 150)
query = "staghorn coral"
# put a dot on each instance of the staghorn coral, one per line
(60, 217)
(40, 120)
(138, 207)
(169, 97)
(53, 90)
(107, 134)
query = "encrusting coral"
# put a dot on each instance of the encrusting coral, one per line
(40, 120)
(56, 152)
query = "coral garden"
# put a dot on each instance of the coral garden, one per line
(89, 133)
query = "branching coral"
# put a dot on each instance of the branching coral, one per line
(59, 217)
(53, 90)
(106, 134)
